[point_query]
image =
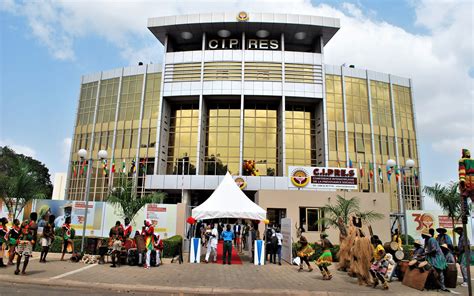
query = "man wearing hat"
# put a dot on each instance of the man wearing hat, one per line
(447, 253)
(444, 238)
(419, 252)
(462, 258)
(435, 257)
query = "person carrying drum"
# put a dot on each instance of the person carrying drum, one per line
(24, 247)
(397, 238)
(435, 257)
(325, 259)
(115, 241)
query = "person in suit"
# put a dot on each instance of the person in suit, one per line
(238, 229)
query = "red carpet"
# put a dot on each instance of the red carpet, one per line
(220, 252)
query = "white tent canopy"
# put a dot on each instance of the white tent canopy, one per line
(228, 201)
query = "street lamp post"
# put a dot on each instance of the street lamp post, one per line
(410, 163)
(82, 153)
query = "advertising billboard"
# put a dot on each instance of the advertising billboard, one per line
(327, 178)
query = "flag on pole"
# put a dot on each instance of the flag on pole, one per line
(350, 163)
(397, 173)
(74, 169)
(113, 165)
(380, 175)
(371, 170)
(133, 168)
(415, 174)
(104, 168)
(142, 166)
(124, 167)
(389, 173)
(83, 168)
(361, 170)
(338, 162)
(404, 175)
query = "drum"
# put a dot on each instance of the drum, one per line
(132, 257)
(424, 266)
(399, 255)
(69, 247)
(103, 251)
(403, 265)
(123, 257)
(390, 247)
(129, 244)
(451, 276)
(24, 248)
(413, 264)
(140, 241)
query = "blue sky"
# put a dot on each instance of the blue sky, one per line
(46, 47)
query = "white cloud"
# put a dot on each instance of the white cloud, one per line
(438, 61)
(18, 148)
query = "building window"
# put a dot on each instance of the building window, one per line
(309, 218)
(275, 216)
(223, 140)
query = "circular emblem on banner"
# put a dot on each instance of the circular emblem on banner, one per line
(240, 182)
(425, 222)
(242, 16)
(299, 178)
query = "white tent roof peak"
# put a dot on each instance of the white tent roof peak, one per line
(228, 201)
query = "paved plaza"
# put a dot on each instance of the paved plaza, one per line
(173, 278)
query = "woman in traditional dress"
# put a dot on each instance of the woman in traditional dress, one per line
(305, 251)
(3, 239)
(12, 238)
(325, 259)
(24, 247)
(66, 228)
(435, 257)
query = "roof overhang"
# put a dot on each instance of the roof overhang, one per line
(289, 24)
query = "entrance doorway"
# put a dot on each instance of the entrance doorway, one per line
(275, 215)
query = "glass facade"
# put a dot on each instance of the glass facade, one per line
(260, 138)
(121, 116)
(300, 136)
(183, 136)
(223, 140)
(335, 121)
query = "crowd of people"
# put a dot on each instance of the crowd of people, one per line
(369, 261)
(20, 241)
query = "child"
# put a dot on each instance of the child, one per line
(304, 253)
(3, 239)
(380, 266)
(325, 259)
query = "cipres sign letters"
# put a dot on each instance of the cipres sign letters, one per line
(322, 178)
(234, 43)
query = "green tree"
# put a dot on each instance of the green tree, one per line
(125, 198)
(338, 214)
(447, 197)
(22, 179)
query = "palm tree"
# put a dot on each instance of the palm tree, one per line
(126, 198)
(338, 215)
(447, 197)
(21, 187)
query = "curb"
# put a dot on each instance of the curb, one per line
(158, 289)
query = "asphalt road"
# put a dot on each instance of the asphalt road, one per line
(41, 290)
